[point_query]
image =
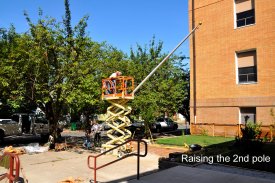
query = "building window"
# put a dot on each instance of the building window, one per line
(248, 115)
(245, 12)
(247, 67)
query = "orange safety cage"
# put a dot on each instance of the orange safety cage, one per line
(121, 87)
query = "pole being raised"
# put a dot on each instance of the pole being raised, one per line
(166, 58)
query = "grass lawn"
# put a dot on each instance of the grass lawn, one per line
(194, 139)
(241, 155)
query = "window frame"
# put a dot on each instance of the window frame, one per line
(236, 15)
(253, 112)
(238, 82)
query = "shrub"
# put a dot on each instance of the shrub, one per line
(250, 140)
(251, 131)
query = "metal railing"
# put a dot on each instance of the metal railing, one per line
(13, 165)
(95, 168)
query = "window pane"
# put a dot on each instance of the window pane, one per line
(250, 20)
(241, 23)
(245, 118)
(252, 78)
(246, 18)
(15, 118)
(243, 79)
(248, 114)
(247, 70)
(245, 14)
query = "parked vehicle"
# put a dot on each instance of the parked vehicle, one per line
(137, 128)
(24, 124)
(163, 124)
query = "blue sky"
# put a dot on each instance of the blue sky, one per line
(121, 23)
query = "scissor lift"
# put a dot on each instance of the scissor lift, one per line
(118, 91)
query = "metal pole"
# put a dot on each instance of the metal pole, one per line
(138, 158)
(94, 170)
(166, 58)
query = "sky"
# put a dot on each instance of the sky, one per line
(121, 23)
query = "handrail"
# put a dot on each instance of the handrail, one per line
(14, 166)
(95, 168)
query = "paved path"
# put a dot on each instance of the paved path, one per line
(52, 167)
(183, 174)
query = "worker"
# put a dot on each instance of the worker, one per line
(115, 74)
(96, 133)
(111, 85)
(87, 141)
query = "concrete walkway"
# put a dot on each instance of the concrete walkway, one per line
(183, 174)
(53, 167)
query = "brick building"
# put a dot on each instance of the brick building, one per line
(232, 64)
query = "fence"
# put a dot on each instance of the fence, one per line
(227, 130)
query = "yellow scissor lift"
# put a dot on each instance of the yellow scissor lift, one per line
(118, 91)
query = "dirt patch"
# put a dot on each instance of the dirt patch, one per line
(160, 150)
(164, 151)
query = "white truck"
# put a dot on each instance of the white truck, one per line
(24, 124)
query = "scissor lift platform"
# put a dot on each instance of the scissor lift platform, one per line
(118, 91)
(121, 87)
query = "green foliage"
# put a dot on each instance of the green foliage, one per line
(56, 66)
(204, 132)
(166, 90)
(58, 72)
(250, 139)
(251, 131)
(272, 126)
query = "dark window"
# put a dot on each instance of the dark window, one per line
(248, 114)
(41, 119)
(245, 18)
(15, 118)
(247, 74)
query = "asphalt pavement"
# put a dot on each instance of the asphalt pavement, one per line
(184, 174)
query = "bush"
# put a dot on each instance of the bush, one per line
(251, 131)
(250, 139)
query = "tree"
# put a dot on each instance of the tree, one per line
(61, 72)
(166, 90)
(56, 73)
(58, 68)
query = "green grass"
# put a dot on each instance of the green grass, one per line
(194, 139)
(227, 147)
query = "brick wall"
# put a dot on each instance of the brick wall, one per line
(218, 96)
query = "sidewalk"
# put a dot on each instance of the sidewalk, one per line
(52, 167)
(186, 174)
